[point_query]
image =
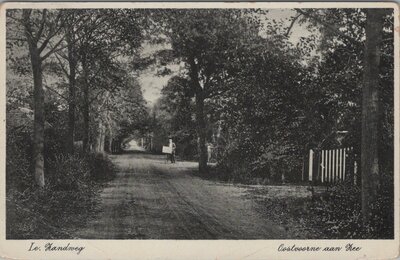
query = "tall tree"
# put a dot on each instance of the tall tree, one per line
(41, 27)
(350, 34)
(370, 112)
(107, 36)
(72, 64)
(207, 41)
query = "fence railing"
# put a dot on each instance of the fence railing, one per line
(332, 165)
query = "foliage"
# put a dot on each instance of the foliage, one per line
(101, 167)
(174, 111)
(68, 199)
(243, 86)
(339, 212)
(18, 151)
(334, 214)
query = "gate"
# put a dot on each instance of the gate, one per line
(332, 166)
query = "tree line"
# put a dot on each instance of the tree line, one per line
(261, 100)
(85, 54)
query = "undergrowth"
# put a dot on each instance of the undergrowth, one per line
(67, 201)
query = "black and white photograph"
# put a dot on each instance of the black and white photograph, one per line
(159, 123)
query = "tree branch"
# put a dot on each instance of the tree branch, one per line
(61, 65)
(292, 23)
(54, 49)
(194, 75)
(27, 24)
(328, 26)
(51, 35)
(53, 90)
(42, 23)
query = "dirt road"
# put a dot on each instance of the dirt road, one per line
(152, 199)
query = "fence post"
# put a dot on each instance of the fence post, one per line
(337, 165)
(310, 165)
(322, 166)
(330, 166)
(317, 173)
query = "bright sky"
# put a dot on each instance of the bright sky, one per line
(152, 84)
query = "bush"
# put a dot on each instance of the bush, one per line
(68, 198)
(68, 172)
(47, 213)
(18, 171)
(101, 167)
(237, 164)
(339, 212)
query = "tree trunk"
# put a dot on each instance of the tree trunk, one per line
(200, 117)
(370, 113)
(110, 140)
(201, 132)
(72, 88)
(39, 117)
(102, 139)
(86, 107)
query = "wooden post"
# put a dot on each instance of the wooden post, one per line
(355, 172)
(317, 165)
(328, 161)
(322, 166)
(310, 165)
(333, 166)
(337, 165)
(340, 164)
(344, 163)
(331, 158)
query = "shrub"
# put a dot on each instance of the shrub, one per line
(68, 172)
(18, 172)
(48, 213)
(339, 212)
(66, 201)
(240, 164)
(101, 167)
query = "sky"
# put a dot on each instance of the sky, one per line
(152, 84)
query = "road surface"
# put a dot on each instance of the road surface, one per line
(152, 199)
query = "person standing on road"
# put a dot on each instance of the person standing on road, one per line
(173, 148)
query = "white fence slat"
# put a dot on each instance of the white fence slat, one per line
(344, 163)
(340, 164)
(331, 165)
(325, 168)
(355, 172)
(327, 165)
(337, 165)
(322, 166)
(310, 165)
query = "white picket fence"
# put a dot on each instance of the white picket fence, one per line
(332, 165)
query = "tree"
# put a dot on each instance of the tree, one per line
(72, 64)
(348, 35)
(109, 35)
(175, 112)
(370, 112)
(41, 27)
(207, 41)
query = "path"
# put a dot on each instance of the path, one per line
(152, 199)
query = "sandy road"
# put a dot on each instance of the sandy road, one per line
(151, 199)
